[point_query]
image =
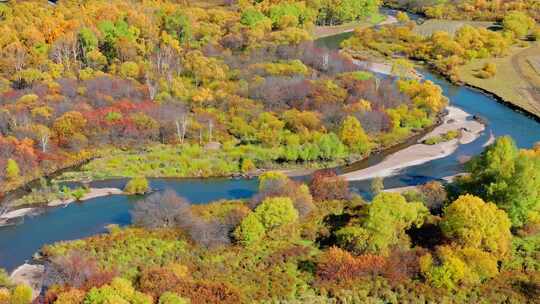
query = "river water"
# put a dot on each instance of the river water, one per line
(18, 243)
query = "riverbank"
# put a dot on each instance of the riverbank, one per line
(30, 275)
(456, 120)
(516, 82)
(11, 216)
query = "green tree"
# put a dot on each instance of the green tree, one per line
(137, 185)
(285, 15)
(254, 18)
(353, 135)
(250, 230)
(331, 147)
(88, 40)
(389, 216)
(334, 12)
(457, 266)
(276, 211)
(118, 291)
(178, 26)
(471, 222)
(518, 23)
(507, 177)
(12, 170)
(172, 298)
(268, 177)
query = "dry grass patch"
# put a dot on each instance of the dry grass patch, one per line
(451, 26)
(516, 80)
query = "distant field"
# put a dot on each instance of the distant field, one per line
(325, 31)
(450, 26)
(517, 79)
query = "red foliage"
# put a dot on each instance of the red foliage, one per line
(338, 265)
(21, 151)
(76, 269)
(288, 254)
(204, 292)
(326, 185)
(155, 281)
(403, 265)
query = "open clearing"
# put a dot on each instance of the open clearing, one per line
(517, 81)
(451, 26)
(325, 31)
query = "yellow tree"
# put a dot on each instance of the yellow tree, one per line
(353, 135)
(471, 222)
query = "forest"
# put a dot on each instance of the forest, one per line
(244, 83)
(441, 50)
(146, 90)
(473, 240)
(492, 10)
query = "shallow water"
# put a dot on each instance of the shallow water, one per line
(18, 243)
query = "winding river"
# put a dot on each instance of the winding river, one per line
(18, 243)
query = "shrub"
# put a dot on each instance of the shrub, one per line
(72, 296)
(155, 281)
(402, 17)
(203, 292)
(338, 266)
(434, 195)
(270, 176)
(5, 280)
(119, 291)
(129, 69)
(285, 187)
(172, 298)
(137, 185)
(247, 165)
(489, 70)
(22, 294)
(326, 185)
(160, 210)
(12, 170)
(78, 193)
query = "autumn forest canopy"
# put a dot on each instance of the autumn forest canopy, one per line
(142, 89)
(83, 77)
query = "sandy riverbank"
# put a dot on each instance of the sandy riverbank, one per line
(9, 216)
(93, 193)
(31, 275)
(417, 154)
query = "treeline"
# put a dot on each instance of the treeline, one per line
(128, 73)
(474, 240)
(484, 10)
(443, 51)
